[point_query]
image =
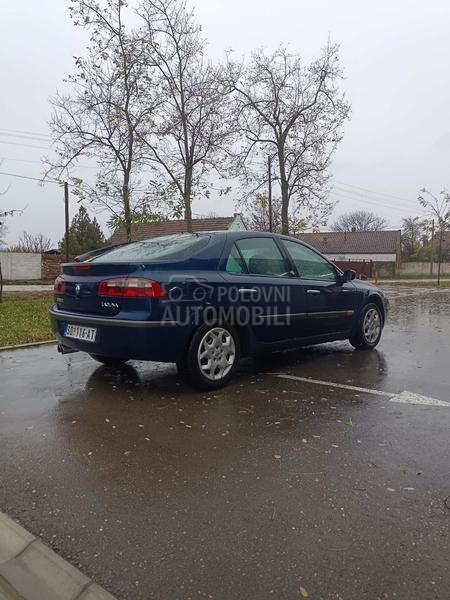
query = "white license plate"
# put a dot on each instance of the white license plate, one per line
(79, 332)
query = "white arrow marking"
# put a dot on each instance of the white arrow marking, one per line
(404, 397)
(411, 398)
(343, 386)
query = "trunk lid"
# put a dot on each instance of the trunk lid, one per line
(81, 289)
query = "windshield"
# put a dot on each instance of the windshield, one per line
(169, 247)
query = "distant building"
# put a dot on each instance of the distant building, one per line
(145, 231)
(381, 247)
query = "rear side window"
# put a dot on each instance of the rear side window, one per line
(235, 264)
(169, 247)
(262, 256)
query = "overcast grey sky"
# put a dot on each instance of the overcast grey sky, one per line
(397, 67)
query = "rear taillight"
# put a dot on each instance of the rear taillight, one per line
(131, 287)
(59, 286)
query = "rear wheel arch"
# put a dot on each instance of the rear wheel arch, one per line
(229, 317)
(224, 356)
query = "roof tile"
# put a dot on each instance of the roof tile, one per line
(146, 231)
(353, 242)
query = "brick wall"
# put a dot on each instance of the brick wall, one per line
(51, 265)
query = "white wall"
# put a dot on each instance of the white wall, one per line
(374, 257)
(423, 268)
(19, 266)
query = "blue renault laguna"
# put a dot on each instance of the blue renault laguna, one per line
(204, 300)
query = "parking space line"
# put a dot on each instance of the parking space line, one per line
(404, 397)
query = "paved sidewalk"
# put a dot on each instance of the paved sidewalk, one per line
(29, 570)
(28, 288)
(408, 281)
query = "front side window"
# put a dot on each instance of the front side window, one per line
(168, 247)
(262, 256)
(310, 265)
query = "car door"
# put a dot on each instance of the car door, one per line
(330, 302)
(259, 287)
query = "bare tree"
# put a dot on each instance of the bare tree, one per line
(192, 126)
(108, 110)
(438, 208)
(415, 238)
(257, 217)
(295, 115)
(359, 220)
(32, 242)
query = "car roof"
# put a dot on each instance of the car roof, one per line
(238, 234)
(235, 235)
(245, 233)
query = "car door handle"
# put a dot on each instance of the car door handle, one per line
(313, 292)
(247, 291)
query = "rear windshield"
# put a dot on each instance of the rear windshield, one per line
(169, 247)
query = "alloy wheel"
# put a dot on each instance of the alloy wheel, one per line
(371, 325)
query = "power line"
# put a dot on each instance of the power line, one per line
(371, 202)
(41, 180)
(374, 202)
(371, 191)
(38, 162)
(358, 195)
(46, 135)
(25, 145)
(24, 137)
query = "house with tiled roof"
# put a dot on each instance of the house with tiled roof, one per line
(145, 231)
(383, 248)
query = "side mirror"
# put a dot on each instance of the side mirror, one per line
(348, 276)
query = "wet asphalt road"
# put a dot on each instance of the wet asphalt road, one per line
(267, 489)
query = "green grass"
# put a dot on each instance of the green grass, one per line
(24, 318)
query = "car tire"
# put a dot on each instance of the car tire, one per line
(368, 329)
(109, 361)
(212, 357)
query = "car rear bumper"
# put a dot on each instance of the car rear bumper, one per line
(163, 341)
(92, 321)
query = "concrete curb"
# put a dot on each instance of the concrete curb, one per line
(29, 345)
(29, 570)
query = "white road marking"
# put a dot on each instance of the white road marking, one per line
(411, 398)
(403, 397)
(343, 386)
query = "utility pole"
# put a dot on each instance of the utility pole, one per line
(66, 211)
(441, 233)
(269, 166)
(431, 247)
